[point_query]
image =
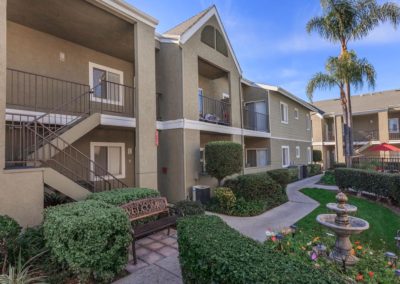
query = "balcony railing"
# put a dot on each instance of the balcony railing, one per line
(29, 91)
(329, 136)
(394, 135)
(365, 135)
(255, 121)
(377, 164)
(214, 111)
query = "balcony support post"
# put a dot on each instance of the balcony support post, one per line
(3, 64)
(383, 126)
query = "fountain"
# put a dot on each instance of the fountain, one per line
(343, 226)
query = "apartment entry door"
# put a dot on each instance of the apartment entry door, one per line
(257, 115)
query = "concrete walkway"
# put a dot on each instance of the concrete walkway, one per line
(298, 206)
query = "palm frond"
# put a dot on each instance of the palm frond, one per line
(320, 81)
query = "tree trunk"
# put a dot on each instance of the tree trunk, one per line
(350, 126)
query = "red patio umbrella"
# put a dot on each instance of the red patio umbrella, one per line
(383, 147)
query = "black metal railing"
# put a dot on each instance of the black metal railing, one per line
(394, 135)
(329, 136)
(365, 135)
(214, 111)
(255, 121)
(391, 165)
(29, 91)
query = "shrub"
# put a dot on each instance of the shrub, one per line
(212, 252)
(54, 199)
(91, 237)
(122, 196)
(317, 156)
(9, 232)
(281, 176)
(223, 158)
(293, 174)
(225, 197)
(381, 184)
(339, 165)
(189, 208)
(313, 169)
(328, 178)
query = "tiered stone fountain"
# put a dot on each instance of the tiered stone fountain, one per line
(343, 226)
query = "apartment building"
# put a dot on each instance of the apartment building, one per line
(203, 97)
(95, 99)
(375, 120)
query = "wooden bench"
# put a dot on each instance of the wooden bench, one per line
(142, 208)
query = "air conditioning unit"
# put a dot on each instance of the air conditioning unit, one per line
(201, 193)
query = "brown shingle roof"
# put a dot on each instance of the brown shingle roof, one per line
(363, 103)
(184, 26)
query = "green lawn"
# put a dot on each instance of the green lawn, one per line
(383, 222)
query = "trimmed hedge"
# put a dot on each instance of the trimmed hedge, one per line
(212, 252)
(122, 196)
(189, 208)
(281, 176)
(313, 169)
(9, 233)
(223, 158)
(382, 184)
(91, 237)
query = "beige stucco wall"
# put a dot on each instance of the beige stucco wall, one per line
(276, 152)
(318, 125)
(383, 126)
(38, 52)
(363, 124)
(194, 49)
(116, 135)
(296, 128)
(3, 65)
(213, 88)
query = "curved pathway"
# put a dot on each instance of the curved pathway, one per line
(298, 206)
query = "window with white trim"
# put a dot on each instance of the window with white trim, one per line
(298, 152)
(309, 155)
(285, 156)
(256, 158)
(308, 122)
(284, 113)
(393, 125)
(108, 156)
(106, 83)
(296, 113)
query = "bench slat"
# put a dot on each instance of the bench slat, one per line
(141, 231)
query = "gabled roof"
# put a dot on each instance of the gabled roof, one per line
(181, 33)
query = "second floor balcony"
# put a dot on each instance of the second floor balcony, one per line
(214, 111)
(365, 135)
(330, 136)
(255, 121)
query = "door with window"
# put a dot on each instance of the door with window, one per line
(107, 84)
(285, 156)
(108, 157)
(257, 115)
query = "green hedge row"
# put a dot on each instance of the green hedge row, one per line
(212, 252)
(382, 184)
(281, 176)
(121, 196)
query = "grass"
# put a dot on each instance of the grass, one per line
(383, 222)
(328, 178)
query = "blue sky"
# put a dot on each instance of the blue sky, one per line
(271, 43)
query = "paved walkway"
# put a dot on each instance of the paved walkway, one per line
(298, 206)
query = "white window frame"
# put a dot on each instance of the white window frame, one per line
(283, 162)
(226, 96)
(397, 122)
(108, 144)
(256, 149)
(309, 155)
(308, 122)
(298, 152)
(285, 113)
(119, 102)
(296, 113)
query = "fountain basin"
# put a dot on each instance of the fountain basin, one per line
(356, 225)
(345, 208)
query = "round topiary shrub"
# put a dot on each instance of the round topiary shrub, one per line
(189, 208)
(223, 158)
(91, 237)
(281, 176)
(225, 197)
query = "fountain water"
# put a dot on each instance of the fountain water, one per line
(343, 226)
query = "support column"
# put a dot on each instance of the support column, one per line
(3, 67)
(383, 126)
(145, 107)
(339, 139)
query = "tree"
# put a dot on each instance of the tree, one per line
(344, 21)
(223, 158)
(317, 156)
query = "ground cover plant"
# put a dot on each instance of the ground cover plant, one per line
(328, 178)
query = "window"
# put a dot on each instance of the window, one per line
(298, 152)
(284, 113)
(393, 125)
(214, 39)
(106, 84)
(285, 156)
(256, 158)
(296, 113)
(309, 155)
(108, 156)
(308, 122)
(256, 115)
(202, 161)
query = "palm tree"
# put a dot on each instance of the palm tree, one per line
(343, 71)
(348, 20)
